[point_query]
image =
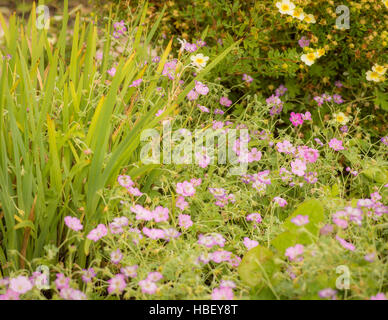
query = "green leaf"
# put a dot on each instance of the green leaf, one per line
(257, 266)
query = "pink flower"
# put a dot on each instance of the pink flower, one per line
(294, 253)
(306, 116)
(250, 243)
(326, 229)
(62, 282)
(296, 119)
(154, 276)
(72, 294)
(97, 233)
(88, 275)
(116, 256)
(254, 155)
(370, 257)
(285, 147)
(185, 188)
(160, 214)
(221, 256)
(125, 181)
(247, 78)
(280, 201)
(227, 284)
(136, 83)
(73, 223)
(142, 213)
(117, 284)
(129, 271)
(201, 88)
(379, 296)
(298, 167)
(148, 286)
(20, 284)
(375, 196)
(171, 233)
(134, 191)
(159, 113)
(181, 203)
(336, 144)
(327, 293)
(223, 293)
(217, 125)
(345, 244)
(192, 95)
(112, 71)
(208, 241)
(319, 100)
(235, 261)
(203, 108)
(300, 220)
(185, 221)
(225, 101)
(309, 154)
(9, 295)
(154, 233)
(256, 217)
(196, 182)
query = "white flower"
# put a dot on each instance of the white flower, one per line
(309, 58)
(379, 69)
(373, 76)
(199, 60)
(341, 118)
(309, 18)
(285, 7)
(182, 43)
(298, 13)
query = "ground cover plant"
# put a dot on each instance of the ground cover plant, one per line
(108, 191)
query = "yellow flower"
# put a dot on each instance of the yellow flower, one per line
(373, 76)
(379, 69)
(385, 3)
(320, 52)
(309, 58)
(298, 13)
(309, 18)
(341, 118)
(285, 7)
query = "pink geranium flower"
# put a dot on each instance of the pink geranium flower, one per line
(225, 101)
(185, 188)
(296, 119)
(249, 244)
(117, 284)
(20, 284)
(336, 144)
(294, 253)
(345, 244)
(300, 220)
(148, 286)
(298, 167)
(97, 233)
(223, 293)
(73, 223)
(185, 221)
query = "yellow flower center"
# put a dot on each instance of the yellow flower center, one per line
(311, 56)
(200, 60)
(340, 118)
(285, 7)
(379, 69)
